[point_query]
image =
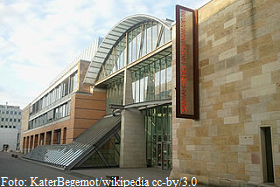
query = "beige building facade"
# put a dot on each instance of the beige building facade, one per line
(239, 76)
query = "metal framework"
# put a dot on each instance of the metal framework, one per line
(83, 147)
(113, 37)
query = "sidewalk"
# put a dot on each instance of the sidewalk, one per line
(123, 174)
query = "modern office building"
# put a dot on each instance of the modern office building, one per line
(225, 127)
(62, 111)
(10, 126)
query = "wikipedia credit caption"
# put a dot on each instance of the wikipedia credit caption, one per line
(60, 181)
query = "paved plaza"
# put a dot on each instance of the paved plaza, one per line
(16, 169)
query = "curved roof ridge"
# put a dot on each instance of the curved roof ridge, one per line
(112, 37)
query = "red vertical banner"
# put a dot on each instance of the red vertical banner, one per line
(187, 98)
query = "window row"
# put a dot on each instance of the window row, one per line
(135, 44)
(10, 120)
(11, 112)
(153, 81)
(6, 126)
(114, 94)
(52, 115)
(63, 89)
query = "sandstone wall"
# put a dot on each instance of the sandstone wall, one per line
(239, 82)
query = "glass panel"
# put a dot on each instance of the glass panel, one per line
(75, 82)
(149, 37)
(159, 123)
(133, 86)
(146, 83)
(138, 40)
(168, 76)
(137, 87)
(163, 79)
(157, 126)
(162, 36)
(157, 80)
(164, 122)
(129, 47)
(154, 35)
(115, 66)
(142, 84)
(167, 35)
(144, 41)
(122, 52)
(114, 94)
(151, 83)
(134, 45)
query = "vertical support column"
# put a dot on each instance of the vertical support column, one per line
(45, 138)
(127, 88)
(27, 144)
(31, 142)
(41, 138)
(133, 144)
(63, 140)
(23, 145)
(48, 138)
(36, 140)
(54, 138)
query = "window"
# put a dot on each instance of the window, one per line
(267, 154)
(10, 127)
(6, 126)
(15, 113)
(11, 119)
(157, 80)
(153, 81)
(11, 112)
(7, 112)
(15, 120)
(2, 126)
(140, 41)
(18, 120)
(19, 113)
(14, 127)
(2, 119)
(6, 119)
(50, 115)
(56, 113)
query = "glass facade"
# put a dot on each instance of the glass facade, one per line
(66, 87)
(159, 136)
(153, 81)
(50, 116)
(108, 155)
(135, 44)
(114, 94)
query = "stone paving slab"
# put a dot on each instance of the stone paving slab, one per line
(17, 168)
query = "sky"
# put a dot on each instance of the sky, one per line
(39, 39)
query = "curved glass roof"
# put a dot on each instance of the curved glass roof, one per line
(113, 38)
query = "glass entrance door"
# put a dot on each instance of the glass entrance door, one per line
(158, 137)
(159, 154)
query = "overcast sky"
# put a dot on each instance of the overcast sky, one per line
(39, 39)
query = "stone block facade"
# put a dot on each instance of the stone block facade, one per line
(239, 90)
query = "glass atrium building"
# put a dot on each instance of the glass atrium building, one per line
(132, 66)
(125, 109)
